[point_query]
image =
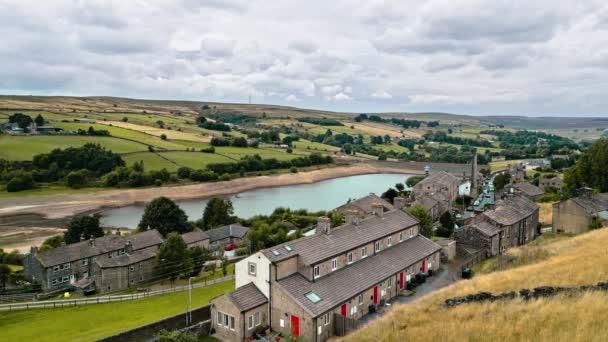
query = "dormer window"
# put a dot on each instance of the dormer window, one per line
(389, 241)
(350, 258)
(316, 271)
(400, 236)
(377, 248)
(334, 264)
(363, 252)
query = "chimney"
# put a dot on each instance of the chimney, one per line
(399, 202)
(128, 247)
(474, 173)
(323, 225)
(351, 216)
(377, 209)
(585, 192)
(92, 241)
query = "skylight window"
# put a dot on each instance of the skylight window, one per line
(288, 248)
(275, 252)
(313, 297)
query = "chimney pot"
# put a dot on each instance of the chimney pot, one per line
(351, 216)
(323, 225)
(377, 209)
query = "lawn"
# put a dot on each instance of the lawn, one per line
(92, 322)
(25, 147)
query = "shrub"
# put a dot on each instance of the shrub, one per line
(21, 181)
(293, 169)
(163, 137)
(225, 177)
(203, 176)
(184, 172)
(158, 182)
(76, 179)
(209, 149)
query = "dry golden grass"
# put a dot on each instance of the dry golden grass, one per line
(171, 134)
(545, 214)
(576, 261)
(373, 128)
(502, 165)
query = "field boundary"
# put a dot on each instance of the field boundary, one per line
(50, 304)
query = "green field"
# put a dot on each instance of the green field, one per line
(25, 147)
(314, 146)
(92, 322)
(195, 160)
(152, 161)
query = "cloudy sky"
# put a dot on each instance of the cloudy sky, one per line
(471, 57)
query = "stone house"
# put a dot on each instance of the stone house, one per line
(232, 233)
(436, 193)
(343, 271)
(555, 182)
(64, 266)
(238, 314)
(576, 214)
(363, 206)
(196, 238)
(513, 222)
(530, 190)
(124, 271)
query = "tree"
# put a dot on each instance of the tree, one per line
(20, 181)
(590, 169)
(160, 123)
(163, 136)
(52, 242)
(125, 119)
(23, 121)
(39, 120)
(447, 225)
(200, 120)
(76, 179)
(184, 172)
(218, 212)
(426, 222)
(500, 181)
(224, 267)
(198, 256)
(173, 258)
(165, 216)
(411, 181)
(5, 272)
(390, 194)
(82, 227)
(400, 187)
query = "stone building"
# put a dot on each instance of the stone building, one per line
(436, 193)
(530, 190)
(124, 271)
(343, 271)
(238, 314)
(513, 222)
(232, 233)
(196, 238)
(363, 206)
(576, 214)
(555, 183)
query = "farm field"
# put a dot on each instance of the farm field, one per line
(155, 131)
(314, 146)
(25, 147)
(151, 160)
(195, 160)
(100, 320)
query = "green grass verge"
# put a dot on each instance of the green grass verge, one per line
(92, 322)
(25, 147)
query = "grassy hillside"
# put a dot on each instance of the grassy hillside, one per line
(565, 261)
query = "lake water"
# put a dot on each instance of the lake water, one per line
(324, 195)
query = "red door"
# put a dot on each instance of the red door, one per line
(423, 269)
(295, 326)
(343, 309)
(401, 280)
(375, 295)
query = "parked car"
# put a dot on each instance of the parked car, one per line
(230, 247)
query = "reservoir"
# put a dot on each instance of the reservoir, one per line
(324, 195)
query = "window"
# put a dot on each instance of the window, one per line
(231, 323)
(288, 248)
(400, 236)
(132, 281)
(219, 318)
(282, 323)
(313, 297)
(389, 241)
(353, 309)
(55, 268)
(110, 255)
(360, 299)
(377, 249)
(141, 278)
(132, 268)
(390, 282)
(85, 274)
(65, 279)
(411, 232)
(275, 252)
(121, 252)
(141, 266)
(350, 257)
(316, 271)
(252, 268)
(334, 264)
(66, 266)
(226, 318)
(250, 322)
(326, 318)
(85, 262)
(363, 252)
(54, 282)
(256, 319)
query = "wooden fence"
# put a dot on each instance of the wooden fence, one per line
(48, 304)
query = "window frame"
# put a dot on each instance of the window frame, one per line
(326, 318)
(349, 258)
(376, 246)
(255, 268)
(250, 322)
(389, 241)
(400, 236)
(256, 319)
(334, 264)
(364, 252)
(316, 271)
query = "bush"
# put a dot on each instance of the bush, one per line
(21, 181)
(241, 251)
(184, 172)
(163, 137)
(209, 149)
(293, 169)
(203, 176)
(76, 179)
(225, 177)
(158, 182)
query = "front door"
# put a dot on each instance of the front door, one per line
(423, 268)
(401, 280)
(295, 326)
(375, 295)
(343, 310)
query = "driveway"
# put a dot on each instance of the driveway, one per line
(446, 276)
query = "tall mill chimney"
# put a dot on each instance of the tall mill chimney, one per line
(474, 174)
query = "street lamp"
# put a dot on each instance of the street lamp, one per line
(189, 314)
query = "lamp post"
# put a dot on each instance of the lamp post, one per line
(189, 314)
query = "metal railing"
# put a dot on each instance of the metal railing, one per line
(49, 304)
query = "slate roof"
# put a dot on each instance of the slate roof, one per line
(593, 204)
(231, 230)
(528, 189)
(194, 236)
(439, 177)
(338, 287)
(364, 204)
(315, 248)
(247, 297)
(105, 244)
(486, 228)
(128, 259)
(511, 210)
